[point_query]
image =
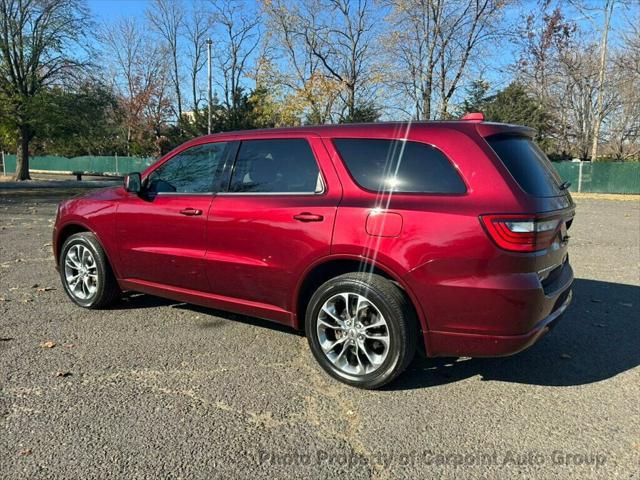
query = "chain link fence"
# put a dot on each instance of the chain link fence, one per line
(98, 165)
(613, 177)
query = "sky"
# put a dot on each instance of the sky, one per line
(498, 60)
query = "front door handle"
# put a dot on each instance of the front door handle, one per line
(308, 217)
(191, 212)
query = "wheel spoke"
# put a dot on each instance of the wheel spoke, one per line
(332, 345)
(70, 262)
(379, 322)
(339, 356)
(330, 325)
(337, 319)
(347, 306)
(365, 350)
(361, 368)
(384, 339)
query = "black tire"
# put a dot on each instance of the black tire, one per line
(107, 290)
(398, 313)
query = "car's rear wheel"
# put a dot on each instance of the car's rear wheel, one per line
(85, 272)
(361, 329)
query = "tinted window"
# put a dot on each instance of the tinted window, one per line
(528, 165)
(399, 166)
(278, 166)
(191, 171)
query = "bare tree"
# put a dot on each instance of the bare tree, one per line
(309, 91)
(238, 39)
(623, 123)
(140, 77)
(341, 41)
(35, 41)
(197, 30)
(167, 19)
(432, 43)
(546, 36)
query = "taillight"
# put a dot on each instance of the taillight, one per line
(521, 233)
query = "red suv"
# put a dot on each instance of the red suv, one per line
(374, 239)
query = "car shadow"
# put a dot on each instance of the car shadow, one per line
(132, 300)
(598, 338)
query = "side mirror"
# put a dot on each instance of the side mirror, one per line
(133, 183)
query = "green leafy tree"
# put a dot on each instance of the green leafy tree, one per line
(515, 104)
(475, 100)
(39, 47)
(85, 121)
(362, 113)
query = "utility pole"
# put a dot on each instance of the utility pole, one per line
(209, 42)
(608, 10)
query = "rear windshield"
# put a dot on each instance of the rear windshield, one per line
(399, 166)
(528, 165)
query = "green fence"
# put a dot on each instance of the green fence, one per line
(614, 177)
(88, 164)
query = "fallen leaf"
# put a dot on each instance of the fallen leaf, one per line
(48, 344)
(25, 452)
(565, 356)
(62, 373)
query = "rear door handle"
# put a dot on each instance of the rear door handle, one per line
(308, 217)
(191, 212)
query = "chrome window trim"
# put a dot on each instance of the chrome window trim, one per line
(181, 194)
(270, 193)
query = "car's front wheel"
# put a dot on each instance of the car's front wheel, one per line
(85, 272)
(361, 329)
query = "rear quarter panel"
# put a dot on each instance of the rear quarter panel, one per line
(442, 243)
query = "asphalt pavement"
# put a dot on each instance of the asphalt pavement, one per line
(158, 389)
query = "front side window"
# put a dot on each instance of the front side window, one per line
(190, 171)
(398, 166)
(275, 166)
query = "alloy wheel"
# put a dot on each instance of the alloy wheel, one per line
(81, 272)
(353, 334)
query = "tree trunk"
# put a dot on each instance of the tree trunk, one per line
(22, 155)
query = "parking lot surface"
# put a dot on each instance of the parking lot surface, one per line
(156, 389)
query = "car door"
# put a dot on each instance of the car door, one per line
(275, 219)
(161, 232)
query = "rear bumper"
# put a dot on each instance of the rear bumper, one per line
(491, 314)
(473, 345)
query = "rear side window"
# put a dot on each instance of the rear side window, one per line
(275, 166)
(399, 166)
(528, 165)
